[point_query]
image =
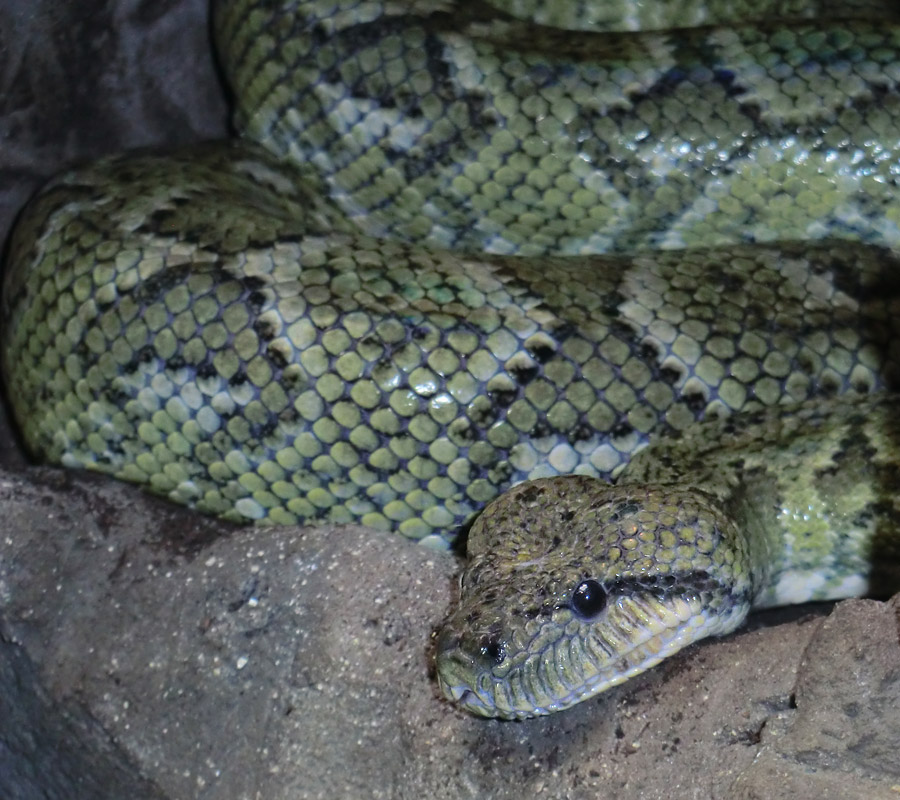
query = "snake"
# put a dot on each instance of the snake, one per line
(460, 265)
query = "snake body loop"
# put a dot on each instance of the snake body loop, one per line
(454, 126)
(456, 250)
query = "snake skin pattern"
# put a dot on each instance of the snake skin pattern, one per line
(449, 256)
(627, 15)
(433, 123)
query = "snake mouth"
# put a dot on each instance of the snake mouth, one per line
(457, 675)
(460, 692)
(467, 699)
(573, 668)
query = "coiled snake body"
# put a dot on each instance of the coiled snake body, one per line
(447, 257)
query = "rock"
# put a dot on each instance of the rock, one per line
(839, 741)
(81, 80)
(55, 751)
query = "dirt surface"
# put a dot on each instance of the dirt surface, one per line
(146, 652)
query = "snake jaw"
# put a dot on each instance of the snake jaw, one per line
(555, 671)
(458, 676)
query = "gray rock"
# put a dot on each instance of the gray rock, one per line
(81, 80)
(55, 751)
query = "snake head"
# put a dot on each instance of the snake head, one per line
(574, 585)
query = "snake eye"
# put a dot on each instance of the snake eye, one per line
(492, 648)
(588, 599)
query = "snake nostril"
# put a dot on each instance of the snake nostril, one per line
(448, 642)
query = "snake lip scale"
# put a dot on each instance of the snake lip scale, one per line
(462, 265)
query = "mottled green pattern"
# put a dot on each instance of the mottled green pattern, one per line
(443, 124)
(627, 15)
(819, 485)
(394, 300)
(221, 341)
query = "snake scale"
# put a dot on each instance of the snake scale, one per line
(460, 246)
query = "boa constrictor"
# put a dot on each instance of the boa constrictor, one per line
(461, 246)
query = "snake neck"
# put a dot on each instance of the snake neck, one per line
(811, 491)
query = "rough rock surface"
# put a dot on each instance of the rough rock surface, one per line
(145, 652)
(53, 751)
(80, 80)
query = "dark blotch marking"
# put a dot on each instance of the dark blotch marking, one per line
(621, 429)
(276, 358)
(484, 417)
(542, 353)
(467, 434)
(503, 398)
(530, 494)
(256, 300)
(649, 352)
(669, 375)
(540, 430)
(828, 387)
(206, 371)
(162, 221)
(728, 80)
(623, 510)
(623, 330)
(679, 584)
(146, 354)
(582, 432)
(695, 401)
(611, 303)
(117, 396)
(524, 375)
(265, 330)
(269, 429)
(501, 471)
